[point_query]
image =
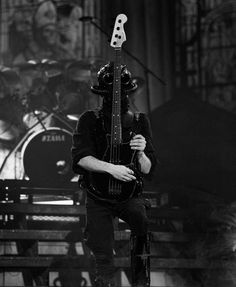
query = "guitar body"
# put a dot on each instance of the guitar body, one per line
(100, 184)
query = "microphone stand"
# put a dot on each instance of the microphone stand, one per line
(145, 68)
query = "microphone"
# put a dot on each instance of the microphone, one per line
(86, 18)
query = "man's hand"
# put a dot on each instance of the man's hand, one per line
(138, 143)
(121, 172)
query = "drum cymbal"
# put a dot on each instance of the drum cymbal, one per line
(28, 72)
(45, 68)
(36, 74)
(27, 66)
(51, 68)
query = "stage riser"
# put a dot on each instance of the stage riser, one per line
(42, 241)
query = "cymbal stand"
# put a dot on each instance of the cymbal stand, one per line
(40, 120)
(55, 113)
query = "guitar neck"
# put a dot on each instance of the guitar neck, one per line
(116, 129)
(118, 37)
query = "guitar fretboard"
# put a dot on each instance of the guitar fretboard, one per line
(116, 128)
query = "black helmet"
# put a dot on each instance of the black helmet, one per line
(105, 80)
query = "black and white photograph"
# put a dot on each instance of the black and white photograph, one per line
(118, 143)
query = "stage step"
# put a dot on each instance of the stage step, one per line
(42, 209)
(81, 262)
(37, 238)
(51, 209)
(67, 235)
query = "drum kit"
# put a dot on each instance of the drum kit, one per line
(40, 102)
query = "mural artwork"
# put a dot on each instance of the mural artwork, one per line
(220, 58)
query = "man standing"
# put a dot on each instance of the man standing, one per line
(92, 154)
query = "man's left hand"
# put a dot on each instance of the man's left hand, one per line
(138, 143)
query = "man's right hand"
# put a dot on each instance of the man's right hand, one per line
(121, 172)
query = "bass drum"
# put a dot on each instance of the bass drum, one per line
(46, 157)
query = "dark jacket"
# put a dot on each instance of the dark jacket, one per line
(89, 137)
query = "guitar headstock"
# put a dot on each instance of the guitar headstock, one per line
(118, 35)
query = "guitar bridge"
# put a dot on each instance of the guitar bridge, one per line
(114, 187)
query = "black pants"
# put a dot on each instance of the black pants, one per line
(100, 229)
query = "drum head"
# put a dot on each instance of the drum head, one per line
(47, 156)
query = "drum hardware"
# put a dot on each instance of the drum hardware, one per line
(65, 84)
(43, 116)
(30, 113)
(46, 113)
(38, 73)
(36, 76)
(73, 117)
(59, 115)
(46, 66)
(36, 114)
(39, 113)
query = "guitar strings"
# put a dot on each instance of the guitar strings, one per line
(114, 185)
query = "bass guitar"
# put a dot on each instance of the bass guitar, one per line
(104, 186)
